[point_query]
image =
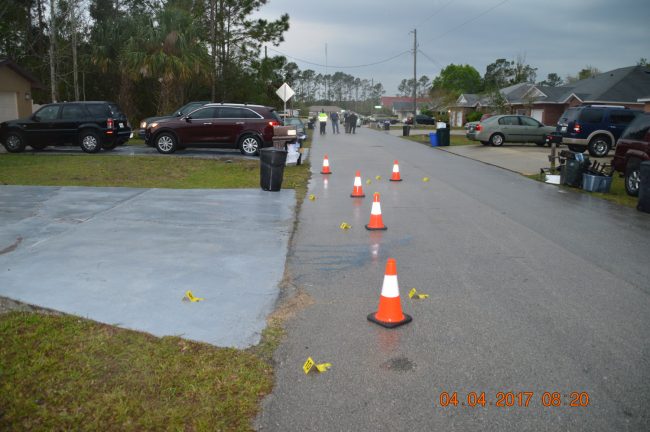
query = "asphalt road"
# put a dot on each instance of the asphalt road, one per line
(532, 289)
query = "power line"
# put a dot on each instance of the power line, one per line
(469, 20)
(434, 13)
(343, 67)
(430, 59)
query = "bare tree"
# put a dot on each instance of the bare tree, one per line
(52, 51)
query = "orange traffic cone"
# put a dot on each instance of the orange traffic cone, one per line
(389, 314)
(376, 223)
(357, 189)
(395, 176)
(326, 166)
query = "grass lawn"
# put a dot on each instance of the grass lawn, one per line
(616, 193)
(60, 372)
(454, 140)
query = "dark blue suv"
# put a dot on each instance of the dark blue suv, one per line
(594, 127)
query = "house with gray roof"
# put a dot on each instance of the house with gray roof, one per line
(623, 87)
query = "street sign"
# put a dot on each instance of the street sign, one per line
(285, 92)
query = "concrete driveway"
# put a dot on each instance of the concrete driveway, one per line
(127, 256)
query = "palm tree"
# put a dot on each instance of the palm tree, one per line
(169, 49)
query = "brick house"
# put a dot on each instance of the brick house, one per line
(16, 86)
(623, 87)
(402, 106)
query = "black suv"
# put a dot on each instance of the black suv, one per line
(91, 125)
(185, 109)
(632, 149)
(594, 127)
(243, 126)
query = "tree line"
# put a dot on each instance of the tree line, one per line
(152, 56)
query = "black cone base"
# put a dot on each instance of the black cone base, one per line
(407, 319)
(384, 228)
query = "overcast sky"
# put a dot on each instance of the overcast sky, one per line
(561, 36)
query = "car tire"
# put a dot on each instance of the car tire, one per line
(599, 146)
(38, 147)
(497, 140)
(250, 145)
(632, 177)
(485, 143)
(89, 141)
(165, 143)
(14, 143)
(576, 148)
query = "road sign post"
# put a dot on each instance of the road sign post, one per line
(285, 93)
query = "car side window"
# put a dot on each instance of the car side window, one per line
(621, 117)
(527, 121)
(230, 113)
(247, 113)
(509, 121)
(190, 108)
(591, 116)
(72, 112)
(47, 113)
(98, 110)
(205, 113)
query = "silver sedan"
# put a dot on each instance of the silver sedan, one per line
(509, 128)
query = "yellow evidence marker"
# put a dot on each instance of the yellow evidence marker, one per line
(377, 177)
(368, 181)
(425, 179)
(310, 365)
(345, 226)
(312, 197)
(414, 294)
(191, 297)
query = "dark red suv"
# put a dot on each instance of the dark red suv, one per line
(631, 149)
(242, 126)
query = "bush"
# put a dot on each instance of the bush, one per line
(474, 116)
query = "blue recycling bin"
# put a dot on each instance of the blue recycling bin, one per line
(433, 137)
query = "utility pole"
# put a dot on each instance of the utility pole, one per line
(52, 49)
(415, 79)
(327, 94)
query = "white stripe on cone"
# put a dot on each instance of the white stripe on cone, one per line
(390, 287)
(357, 181)
(376, 208)
(395, 168)
(326, 163)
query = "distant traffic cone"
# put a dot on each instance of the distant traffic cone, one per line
(376, 223)
(389, 314)
(326, 166)
(357, 189)
(395, 176)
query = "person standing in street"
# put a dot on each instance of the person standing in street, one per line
(322, 119)
(353, 122)
(335, 122)
(346, 121)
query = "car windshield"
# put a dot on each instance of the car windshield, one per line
(275, 116)
(638, 129)
(116, 110)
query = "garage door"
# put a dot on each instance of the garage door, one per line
(537, 114)
(8, 106)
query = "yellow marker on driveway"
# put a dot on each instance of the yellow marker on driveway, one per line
(414, 294)
(191, 297)
(345, 226)
(311, 365)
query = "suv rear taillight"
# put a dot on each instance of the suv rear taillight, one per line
(577, 128)
(274, 123)
(109, 125)
(478, 128)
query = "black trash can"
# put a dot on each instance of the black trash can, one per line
(272, 161)
(572, 170)
(644, 188)
(405, 130)
(443, 136)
